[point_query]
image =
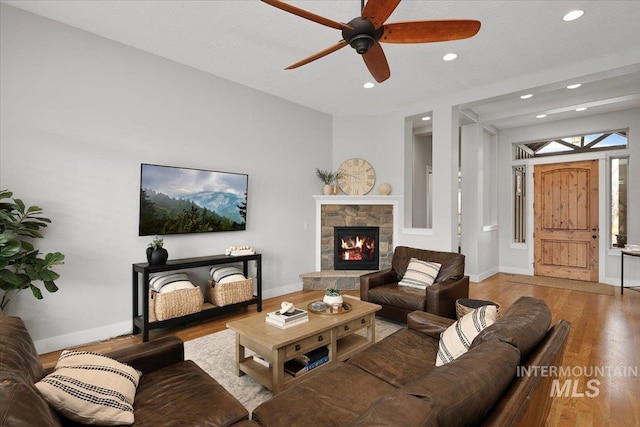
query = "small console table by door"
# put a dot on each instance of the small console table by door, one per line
(622, 254)
(141, 288)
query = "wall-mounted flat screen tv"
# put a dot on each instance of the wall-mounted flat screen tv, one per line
(177, 200)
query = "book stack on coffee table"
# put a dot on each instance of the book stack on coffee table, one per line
(287, 320)
(307, 362)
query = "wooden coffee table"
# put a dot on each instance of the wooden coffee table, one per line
(336, 331)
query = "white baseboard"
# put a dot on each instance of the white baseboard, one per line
(86, 336)
(281, 290)
(477, 278)
(615, 281)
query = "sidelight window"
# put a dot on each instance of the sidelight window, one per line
(619, 174)
(519, 204)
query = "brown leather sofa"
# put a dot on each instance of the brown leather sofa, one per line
(381, 287)
(395, 381)
(172, 391)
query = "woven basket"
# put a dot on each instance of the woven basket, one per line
(163, 306)
(222, 294)
(461, 310)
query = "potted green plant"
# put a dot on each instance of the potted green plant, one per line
(328, 178)
(21, 264)
(332, 296)
(156, 254)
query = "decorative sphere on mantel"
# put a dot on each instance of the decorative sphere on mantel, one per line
(384, 189)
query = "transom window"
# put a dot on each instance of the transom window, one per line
(572, 144)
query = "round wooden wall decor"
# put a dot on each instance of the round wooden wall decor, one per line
(356, 177)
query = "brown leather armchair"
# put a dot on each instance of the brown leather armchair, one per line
(381, 287)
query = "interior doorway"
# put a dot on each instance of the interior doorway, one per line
(566, 234)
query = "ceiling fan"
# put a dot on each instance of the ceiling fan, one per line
(365, 33)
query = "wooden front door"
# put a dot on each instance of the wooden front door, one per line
(566, 220)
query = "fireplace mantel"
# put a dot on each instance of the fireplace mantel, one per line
(354, 200)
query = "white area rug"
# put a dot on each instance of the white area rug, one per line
(215, 354)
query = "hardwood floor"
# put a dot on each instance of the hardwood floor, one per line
(605, 335)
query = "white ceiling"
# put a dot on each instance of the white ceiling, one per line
(250, 42)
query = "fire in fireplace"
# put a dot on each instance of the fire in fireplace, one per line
(356, 248)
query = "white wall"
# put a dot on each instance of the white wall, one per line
(518, 258)
(79, 113)
(377, 139)
(381, 141)
(480, 229)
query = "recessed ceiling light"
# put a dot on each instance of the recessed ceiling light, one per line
(581, 108)
(450, 57)
(573, 15)
(426, 118)
(574, 86)
(368, 85)
(541, 116)
(527, 96)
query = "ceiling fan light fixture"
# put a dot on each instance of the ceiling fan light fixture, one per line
(449, 57)
(364, 33)
(361, 43)
(368, 85)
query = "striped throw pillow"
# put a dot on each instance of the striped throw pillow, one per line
(420, 274)
(91, 388)
(156, 283)
(226, 274)
(455, 341)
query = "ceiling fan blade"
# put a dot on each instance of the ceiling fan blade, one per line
(325, 52)
(429, 31)
(377, 63)
(307, 15)
(377, 11)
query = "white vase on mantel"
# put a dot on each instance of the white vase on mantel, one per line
(332, 300)
(327, 189)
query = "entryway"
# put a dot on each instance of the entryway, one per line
(566, 234)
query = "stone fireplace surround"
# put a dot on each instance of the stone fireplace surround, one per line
(340, 211)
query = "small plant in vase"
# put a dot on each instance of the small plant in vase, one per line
(156, 254)
(328, 178)
(332, 296)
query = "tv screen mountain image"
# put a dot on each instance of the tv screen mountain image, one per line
(175, 200)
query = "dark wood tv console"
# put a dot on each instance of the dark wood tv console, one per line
(140, 290)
